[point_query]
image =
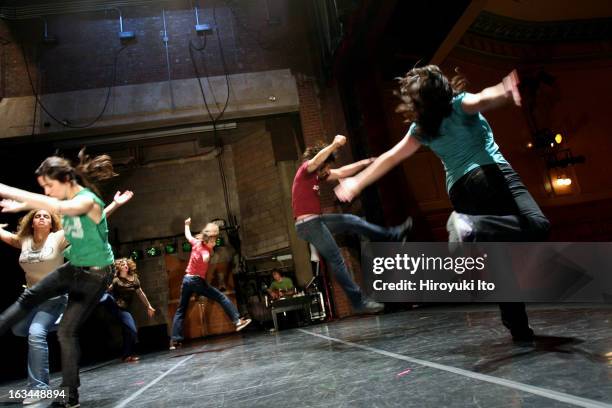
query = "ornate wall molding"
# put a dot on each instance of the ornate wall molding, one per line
(511, 30)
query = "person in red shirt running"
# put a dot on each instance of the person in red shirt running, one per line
(317, 228)
(194, 281)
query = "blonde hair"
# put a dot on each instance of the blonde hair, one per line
(130, 263)
(25, 228)
(200, 236)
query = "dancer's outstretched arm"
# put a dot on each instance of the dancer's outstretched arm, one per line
(349, 170)
(143, 297)
(187, 230)
(351, 187)
(119, 199)
(319, 159)
(9, 237)
(21, 200)
(495, 96)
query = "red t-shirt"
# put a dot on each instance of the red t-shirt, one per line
(305, 192)
(198, 261)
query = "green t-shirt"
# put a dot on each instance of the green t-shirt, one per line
(88, 241)
(284, 284)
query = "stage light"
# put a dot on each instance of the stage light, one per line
(153, 251)
(545, 138)
(186, 246)
(170, 248)
(123, 35)
(136, 255)
(563, 181)
(219, 242)
(529, 145)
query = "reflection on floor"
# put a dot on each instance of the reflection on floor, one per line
(431, 357)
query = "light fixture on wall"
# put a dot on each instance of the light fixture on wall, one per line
(563, 181)
(153, 251)
(200, 28)
(47, 39)
(170, 248)
(136, 254)
(186, 246)
(124, 35)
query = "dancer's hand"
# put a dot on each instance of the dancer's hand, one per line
(12, 206)
(151, 311)
(188, 221)
(3, 226)
(122, 198)
(511, 83)
(347, 190)
(339, 140)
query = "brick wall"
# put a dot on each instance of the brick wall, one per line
(165, 195)
(322, 118)
(264, 227)
(252, 36)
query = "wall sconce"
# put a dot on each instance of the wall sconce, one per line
(562, 181)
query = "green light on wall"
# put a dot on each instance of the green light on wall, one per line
(136, 255)
(186, 246)
(154, 251)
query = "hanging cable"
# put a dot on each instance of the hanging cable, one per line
(214, 119)
(64, 122)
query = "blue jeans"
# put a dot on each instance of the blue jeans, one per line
(128, 325)
(84, 287)
(501, 209)
(35, 326)
(195, 284)
(318, 231)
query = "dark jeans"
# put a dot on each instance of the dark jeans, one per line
(318, 231)
(84, 287)
(194, 284)
(128, 325)
(501, 209)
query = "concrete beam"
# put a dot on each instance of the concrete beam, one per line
(147, 106)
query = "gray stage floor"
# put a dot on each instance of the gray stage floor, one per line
(442, 357)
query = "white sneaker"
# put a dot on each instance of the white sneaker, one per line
(459, 228)
(32, 400)
(242, 324)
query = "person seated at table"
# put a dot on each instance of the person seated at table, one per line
(280, 286)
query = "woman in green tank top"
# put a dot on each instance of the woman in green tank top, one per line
(89, 270)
